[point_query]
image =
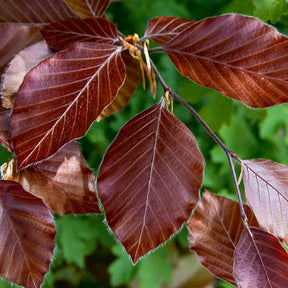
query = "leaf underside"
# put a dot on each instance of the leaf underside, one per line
(27, 236)
(149, 180)
(61, 97)
(239, 56)
(266, 191)
(215, 229)
(260, 260)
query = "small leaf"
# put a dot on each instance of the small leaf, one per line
(64, 182)
(162, 29)
(126, 91)
(215, 229)
(149, 180)
(266, 192)
(34, 11)
(88, 8)
(5, 128)
(241, 57)
(61, 97)
(260, 260)
(27, 236)
(18, 68)
(61, 35)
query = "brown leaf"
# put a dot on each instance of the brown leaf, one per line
(260, 260)
(18, 68)
(266, 191)
(34, 11)
(162, 29)
(27, 236)
(61, 35)
(61, 97)
(150, 179)
(239, 56)
(13, 39)
(5, 128)
(126, 91)
(215, 229)
(63, 182)
(88, 8)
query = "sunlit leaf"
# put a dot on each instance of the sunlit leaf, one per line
(239, 56)
(266, 189)
(63, 34)
(18, 67)
(27, 236)
(34, 11)
(13, 39)
(126, 91)
(149, 180)
(215, 229)
(88, 8)
(64, 182)
(5, 128)
(61, 97)
(162, 29)
(260, 260)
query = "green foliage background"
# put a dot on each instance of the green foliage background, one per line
(86, 253)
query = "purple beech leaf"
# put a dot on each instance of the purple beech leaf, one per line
(5, 128)
(162, 29)
(61, 97)
(63, 182)
(27, 236)
(62, 34)
(215, 229)
(149, 180)
(266, 189)
(240, 56)
(88, 8)
(18, 68)
(34, 11)
(260, 260)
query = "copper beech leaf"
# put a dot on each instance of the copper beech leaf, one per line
(266, 189)
(63, 34)
(149, 180)
(27, 236)
(61, 97)
(215, 229)
(260, 260)
(126, 91)
(164, 28)
(18, 68)
(239, 56)
(63, 182)
(34, 11)
(88, 8)
(5, 128)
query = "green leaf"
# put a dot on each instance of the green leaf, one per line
(242, 7)
(270, 10)
(121, 270)
(155, 269)
(218, 110)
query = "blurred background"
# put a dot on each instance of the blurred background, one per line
(86, 253)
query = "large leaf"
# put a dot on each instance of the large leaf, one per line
(215, 229)
(126, 91)
(149, 180)
(27, 236)
(61, 35)
(260, 260)
(5, 128)
(88, 8)
(34, 11)
(162, 29)
(60, 98)
(64, 182)
(18, 68)
(266, 188)
(239, 56)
